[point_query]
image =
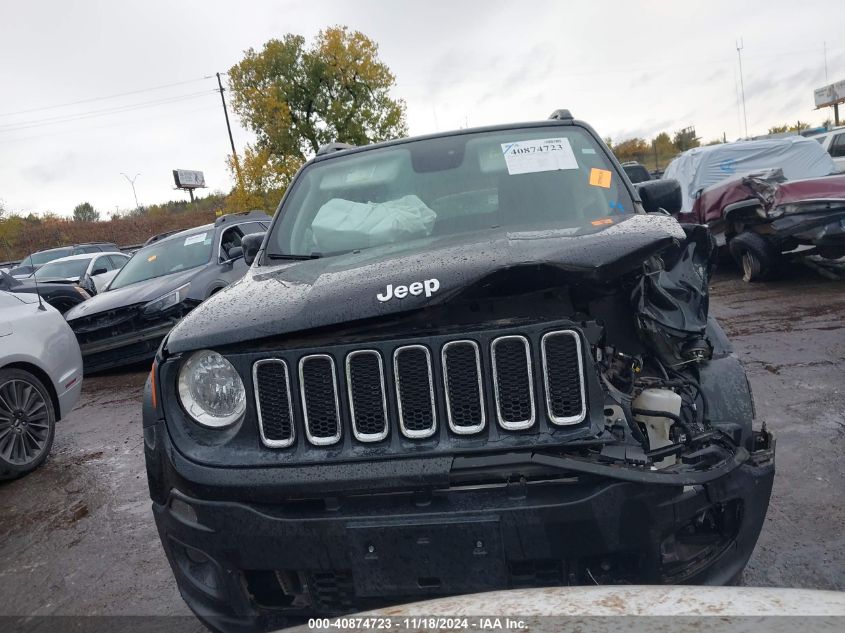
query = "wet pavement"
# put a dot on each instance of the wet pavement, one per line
(77, 536)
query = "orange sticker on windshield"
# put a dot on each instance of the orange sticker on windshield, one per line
(151, 258)
(602, 222)
(600, 178)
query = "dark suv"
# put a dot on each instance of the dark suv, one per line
(463, 362)
(36, 260)
(162, 282)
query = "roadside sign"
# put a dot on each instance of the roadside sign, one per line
(188, 179)
(829, 95)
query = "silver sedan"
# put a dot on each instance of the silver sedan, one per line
(40, 380)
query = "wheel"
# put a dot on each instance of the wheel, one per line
(27, 423)
(752, 267)
(754, 254)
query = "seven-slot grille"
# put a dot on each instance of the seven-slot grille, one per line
(273, 402)
(320, 406)
(409, 393)
(367, 397)
(463, 386)
(415, 390)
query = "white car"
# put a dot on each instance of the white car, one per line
(101, 268)
(834, 144)
(40, 380)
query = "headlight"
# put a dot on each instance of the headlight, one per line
(211, 390)
(172, 298)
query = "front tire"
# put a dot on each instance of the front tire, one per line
(755, 255)
(27, 423)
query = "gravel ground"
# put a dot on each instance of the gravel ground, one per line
(77, 537)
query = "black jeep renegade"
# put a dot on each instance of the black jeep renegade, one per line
(462, 362)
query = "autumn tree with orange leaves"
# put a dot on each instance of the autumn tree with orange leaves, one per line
(296, 98)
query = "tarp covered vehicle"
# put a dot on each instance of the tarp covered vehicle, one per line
(764, 198)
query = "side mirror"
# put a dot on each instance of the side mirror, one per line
(250, 245)
(99, 271)
(236, 252)
(658, 195)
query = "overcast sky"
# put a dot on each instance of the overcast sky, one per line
(629, 68)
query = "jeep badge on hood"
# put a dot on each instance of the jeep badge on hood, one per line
(429, 286)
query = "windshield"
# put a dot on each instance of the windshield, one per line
(72, 269)
(539, 177)
(37, 259)
(163, 258)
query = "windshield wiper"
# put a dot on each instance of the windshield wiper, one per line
(294, 257)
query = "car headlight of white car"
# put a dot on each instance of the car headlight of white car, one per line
(211, 390)
(172, 298)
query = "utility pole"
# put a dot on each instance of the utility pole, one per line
(739, 47)
(825, 62)
(132, 182)
(231, 140)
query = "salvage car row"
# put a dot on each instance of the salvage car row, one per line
(120, 307)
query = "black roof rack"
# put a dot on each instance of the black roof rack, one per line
(561, 115)
(230, 217)
(160, 236)
(328, 148)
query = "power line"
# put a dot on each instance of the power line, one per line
(739, 47)
(112, 96)
(23, 125)
(124, 124)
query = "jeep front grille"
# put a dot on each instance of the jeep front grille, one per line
(273, 402)
(513, 382)
(564, 378)
(372, 394)
(462, 384)
(415, 391)
(367, 397)
(320, 406)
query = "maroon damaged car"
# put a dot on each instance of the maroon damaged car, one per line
(760, 216)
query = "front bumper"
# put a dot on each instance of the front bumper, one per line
(125, 349)
(247, 557)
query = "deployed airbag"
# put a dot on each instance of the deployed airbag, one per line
(343, 225)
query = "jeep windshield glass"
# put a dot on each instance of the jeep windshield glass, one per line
(526, 178)
(72, 269)
(172, 255)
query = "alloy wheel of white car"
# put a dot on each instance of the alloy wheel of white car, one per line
(27, 423)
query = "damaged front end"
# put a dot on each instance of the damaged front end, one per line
(569, 416)
(786, 215)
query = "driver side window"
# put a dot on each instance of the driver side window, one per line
(231, 238)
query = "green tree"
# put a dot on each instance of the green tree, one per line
(296, 97)
(663, 143)
(686, 139)
(797, 127)
(631, 149)
(85, 213)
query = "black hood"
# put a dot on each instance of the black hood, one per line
(139, 292)
(296, 296)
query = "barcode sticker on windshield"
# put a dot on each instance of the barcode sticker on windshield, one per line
(526, 157)
(194, 239)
